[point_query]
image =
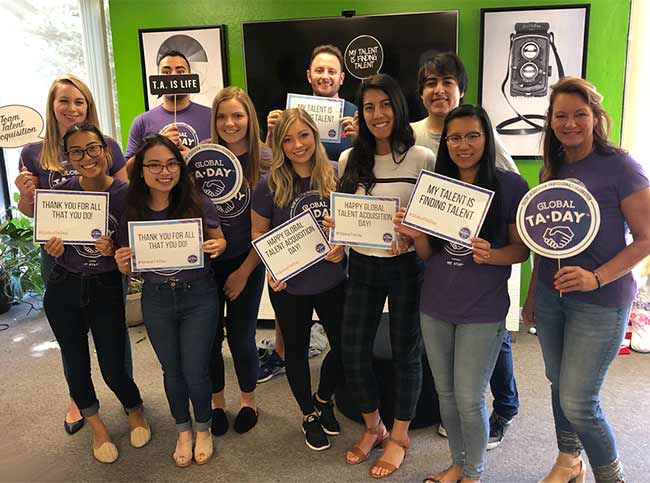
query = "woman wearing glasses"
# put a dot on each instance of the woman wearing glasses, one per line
(44, 165)
(581, 311)
(464, 299)
(179, 306)
(85, 292)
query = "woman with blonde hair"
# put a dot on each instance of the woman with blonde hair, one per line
(301, 178)
(238, 272)
(44, 165)
(581, 310)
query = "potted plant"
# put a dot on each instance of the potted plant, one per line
(20, 264)
(133, 304)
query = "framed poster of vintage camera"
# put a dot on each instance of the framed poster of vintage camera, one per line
(204, 47)
(277, 53)
(523, 52)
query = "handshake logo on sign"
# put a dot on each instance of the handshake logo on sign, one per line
(558, 237)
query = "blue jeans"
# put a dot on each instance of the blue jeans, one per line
(579, 342)
(181, 323)
(502, 382)
(462, 358)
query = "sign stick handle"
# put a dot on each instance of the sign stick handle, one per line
(558, 267)
(174, 109)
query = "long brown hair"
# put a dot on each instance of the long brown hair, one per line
(284, 182)
(553, 150)
(53, 141)
(252, 171)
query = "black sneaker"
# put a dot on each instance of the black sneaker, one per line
(315, 437)
(498, 428)
(325, 413)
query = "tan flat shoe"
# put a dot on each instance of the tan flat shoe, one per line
(106, 453)
(567, 469)
(379, 432)
(203, 448)
(183, 453)
(140, 436)
(389, 467)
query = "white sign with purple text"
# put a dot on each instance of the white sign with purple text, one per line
(325, 111)
(292, 247)
(447, 208)
(166, 244)
(77, 217)
(364, 221)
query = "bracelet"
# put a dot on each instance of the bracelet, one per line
(597, 279)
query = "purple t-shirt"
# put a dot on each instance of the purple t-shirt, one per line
(86, 258)
(235, 214)
(211, 219)
(30, 157)
(319, 277)
(193, 124)
(460, 291)
(610, 179)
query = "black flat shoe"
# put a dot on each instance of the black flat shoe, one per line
(219, 422)
(246, 419)
(75, 426)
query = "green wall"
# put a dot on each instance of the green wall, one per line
(607, 45)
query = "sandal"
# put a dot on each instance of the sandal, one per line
(438, 477)
(203, 448)
(380, 433)
(389, 466)
(183, 453)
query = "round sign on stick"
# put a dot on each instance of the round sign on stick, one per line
(364, 56)
(217, 171)
(558, 219)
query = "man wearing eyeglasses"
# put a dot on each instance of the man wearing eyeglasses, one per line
(442, 82)
(192, 121)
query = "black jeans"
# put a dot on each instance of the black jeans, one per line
(240, 325)
(294, 314)
(76, 303)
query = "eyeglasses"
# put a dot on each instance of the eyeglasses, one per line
(471, 138)
(93, 151)
(157, 168)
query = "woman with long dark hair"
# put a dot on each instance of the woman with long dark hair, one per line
(383, 162)
(179, 306)
(464, 299)
(84, 292)
(581, 310)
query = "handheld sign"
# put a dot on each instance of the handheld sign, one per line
(292, 247)
(77, 217)
(19, 125)
(179, 84)
(325, 111)
(166, 245)
(364, 221)
(217, 171)
(558, 219)
(364, 56)
(447, 208)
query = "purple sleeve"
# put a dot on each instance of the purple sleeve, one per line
(210, 214)
(28, 158)
(632, 178)
(262, 201)
(135, 137)
(117, 157)
(518, 188)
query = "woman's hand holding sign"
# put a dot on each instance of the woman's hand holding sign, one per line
(403, 229)
(104, 246)
(575, 279)
(123, 259)
(214, 247)
(481, 250)
(54, 247)
(274, 284)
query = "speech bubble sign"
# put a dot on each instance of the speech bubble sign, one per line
(364, 56)
(19, 125)
(558, 219)
(166, 84)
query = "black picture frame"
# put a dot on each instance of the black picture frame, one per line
(205, 48)
(540, 43)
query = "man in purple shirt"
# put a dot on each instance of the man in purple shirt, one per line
(178, 118)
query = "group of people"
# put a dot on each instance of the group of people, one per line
(443, 298)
